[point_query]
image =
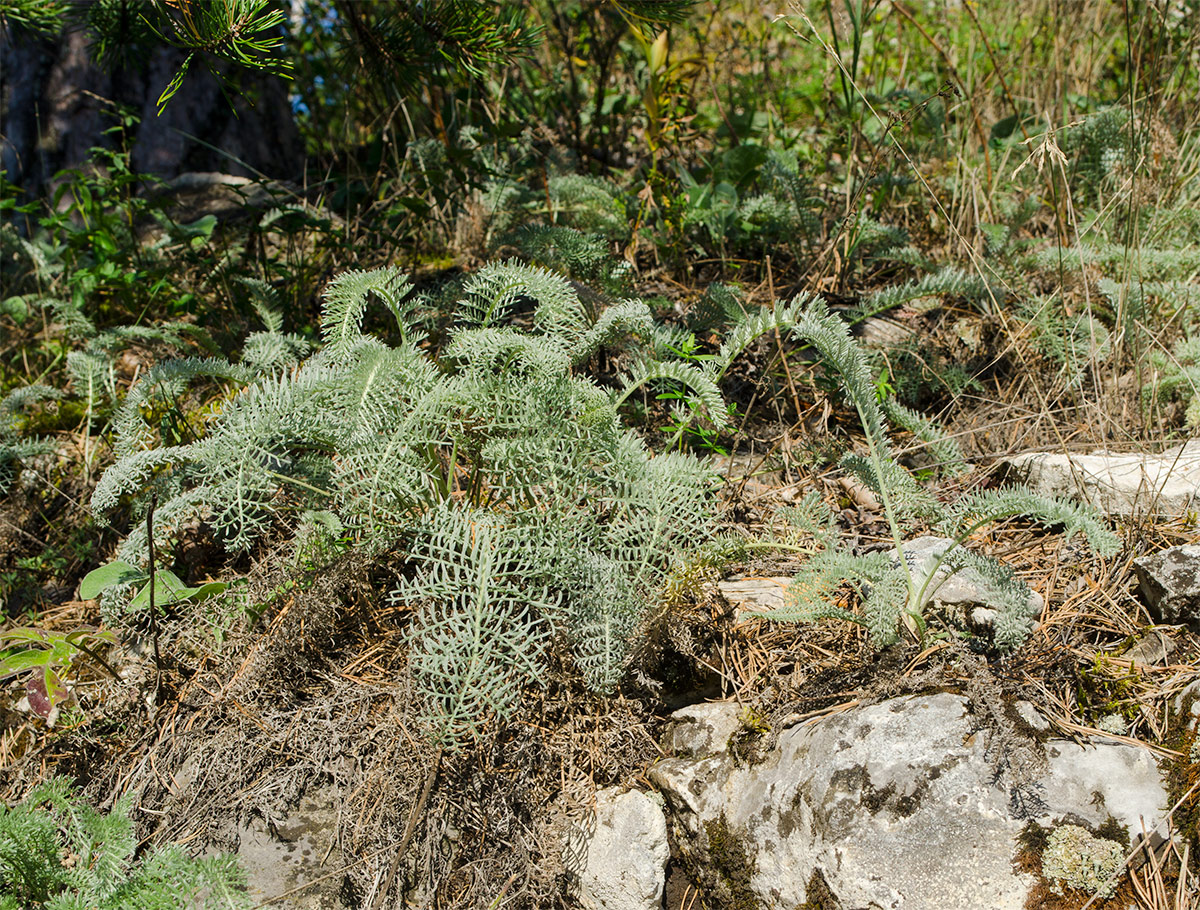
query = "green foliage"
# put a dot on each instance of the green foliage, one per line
(943, 450)
(168, 587)
(1177, 377)
(750, 199)
(13, 449)
(124, 32)
(1075, 342)
(949, 281)
(42, 17)
(461, 37)
(58, 853)
(1103, 149)
(244, 32)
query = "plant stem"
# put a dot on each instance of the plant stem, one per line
(158, 665)
(98, 659)
(409, 829)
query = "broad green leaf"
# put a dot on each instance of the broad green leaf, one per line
(89, 632)
(115, 573)
(208, 590)
(22, 634)
(168, 589)
(23, 661)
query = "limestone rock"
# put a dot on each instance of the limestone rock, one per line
(703, 729)
(1118, 484)
(894, 805)
(1170, 583)
(1152, 649)
(750, 595)
(880, 332)
(301, 849)
(623, 856)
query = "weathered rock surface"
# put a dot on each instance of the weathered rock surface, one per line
(301, 850)
(623, 857)
(750, 595)
(1119, 484)
(1152, 649)
(702, 730)
(894, 805)
(1170, 583)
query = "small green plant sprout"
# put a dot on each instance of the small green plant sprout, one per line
(44, 658)
(168, 587)
(58, 853)
(1074, 858)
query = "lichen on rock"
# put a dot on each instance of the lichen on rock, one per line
(1075, 858)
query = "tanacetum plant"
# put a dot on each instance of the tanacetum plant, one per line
(529, 514)
(58, 853)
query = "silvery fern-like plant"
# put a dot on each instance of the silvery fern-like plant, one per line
(13, 449)
(893, 594)
(529, 514)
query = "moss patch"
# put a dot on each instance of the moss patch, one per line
(730, 868)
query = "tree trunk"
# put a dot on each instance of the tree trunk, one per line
(54, 102)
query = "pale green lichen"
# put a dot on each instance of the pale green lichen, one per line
(1113, 723)
(1074, 858)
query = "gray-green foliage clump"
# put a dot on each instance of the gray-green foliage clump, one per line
(58, 853)
(13, 448)
(893, 594)
(527, 512)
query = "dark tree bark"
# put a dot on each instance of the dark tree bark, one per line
(53, 100)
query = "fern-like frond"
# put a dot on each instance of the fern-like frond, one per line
(780, 317)
(91, 375)
(809, 596)
(265, 351)
(1009, 595)
(717, 307)
(346, 301)
(504, 350)
(830, 335)
(980, 509)
(950, 281)
(480, 634)
(698, 381)
(623, 318)
(131, 472)
(167, 381)
(53, 822)
(812, 517)
(14, 452)
(883, 605)
(590, 204)
(945, 450)
(604, 610)
(265, 300)
(14, 405)
(897, 484)
(564, 250)
(489, 295)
